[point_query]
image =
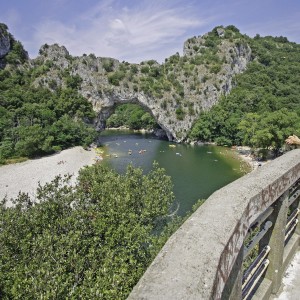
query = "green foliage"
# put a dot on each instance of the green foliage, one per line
(222, 141)
(116, 77)
(151, 62)
(145, 69)
(93, 241)
(154, 72)
(215, 69)
(264, 107)
(3, 27)
(132, 116)
(133, 69)
(73, 82)
(212, 40)
(174, 59)
(269, 129)
(35, 121)
(195, 48)
(180, 113)
(209, 42)
(17, 54)
(232, 28)
(108, 65)
(207, 57)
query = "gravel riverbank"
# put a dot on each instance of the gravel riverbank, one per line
(244, 153)
(26, 176)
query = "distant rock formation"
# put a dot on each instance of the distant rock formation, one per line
(4, 44)
(9, 45)
(174, 92)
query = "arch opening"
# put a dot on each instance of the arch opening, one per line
(132, 115)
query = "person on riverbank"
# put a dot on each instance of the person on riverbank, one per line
(293, 140)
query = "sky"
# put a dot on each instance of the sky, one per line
(138, 30)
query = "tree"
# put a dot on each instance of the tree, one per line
(17, 54)
(73, 82)
(30, 140)
(132, 116)
(269, 130)
(31, 119)
(92, 241)
(249, 126)
(267, 91)
(202, 129)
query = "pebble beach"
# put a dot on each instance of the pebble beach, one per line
(27, 175)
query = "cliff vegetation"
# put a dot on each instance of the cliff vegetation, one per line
(227, 88)
(264, 106)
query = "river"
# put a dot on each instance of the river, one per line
(196, 171)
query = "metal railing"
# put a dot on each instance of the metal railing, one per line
(267, 236)
(237, 244)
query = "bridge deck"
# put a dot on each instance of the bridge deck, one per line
(290, 289)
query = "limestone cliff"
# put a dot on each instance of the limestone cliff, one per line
(4, 43)
(11, 51)
(175, 92)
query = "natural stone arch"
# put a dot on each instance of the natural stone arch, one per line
(98, 89)
(106, 111)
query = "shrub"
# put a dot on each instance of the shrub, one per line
(145, 69)
(108, 65)
(180, 113)
(116, 77)
(215, 69)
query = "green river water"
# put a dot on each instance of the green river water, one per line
(196, 171)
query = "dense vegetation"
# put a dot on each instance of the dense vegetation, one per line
(131, 116)
(93, 241)
(35, 121)
(17, 55)
(96, 239)
(261, 111)
(264, 107)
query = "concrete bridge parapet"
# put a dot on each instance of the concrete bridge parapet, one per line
(203, 259)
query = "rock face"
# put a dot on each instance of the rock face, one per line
(4, 43)
(8, 45)
(56, 53)
(175, 92)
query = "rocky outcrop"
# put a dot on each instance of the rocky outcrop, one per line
(57, 54)
(8, 45)
(4, 42)
(175, 93)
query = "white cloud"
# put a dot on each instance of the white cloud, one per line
(134, 34)
(136, 30)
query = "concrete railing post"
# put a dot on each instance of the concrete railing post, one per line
(275, 239)
(233, 287)
(235, 280)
